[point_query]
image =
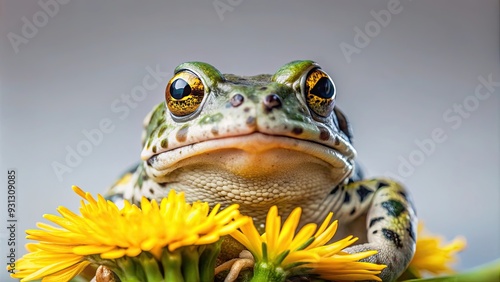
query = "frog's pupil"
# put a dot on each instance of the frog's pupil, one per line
(179, 89)
(323, 88)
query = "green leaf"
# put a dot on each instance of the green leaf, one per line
(486, 273)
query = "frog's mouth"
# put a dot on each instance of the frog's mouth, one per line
(255, 155)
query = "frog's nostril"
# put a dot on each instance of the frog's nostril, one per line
(272, 101)
(237, 100)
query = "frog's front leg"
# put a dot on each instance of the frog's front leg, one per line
(390, 224)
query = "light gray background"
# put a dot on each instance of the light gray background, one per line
(395, 91)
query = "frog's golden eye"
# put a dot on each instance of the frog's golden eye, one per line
(320, 92)
(184, 93)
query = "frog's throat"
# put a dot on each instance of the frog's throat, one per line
(253, 155)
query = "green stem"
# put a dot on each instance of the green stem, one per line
(489, 272)
(208, 259)
(265, 272)
(151, 267)
(189, 263)
(171, 262)
(190, 260)
(129, 270)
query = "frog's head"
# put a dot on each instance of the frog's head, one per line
(262, 139)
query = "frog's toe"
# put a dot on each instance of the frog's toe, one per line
(235, 266)
(395, 262)
(104, 274)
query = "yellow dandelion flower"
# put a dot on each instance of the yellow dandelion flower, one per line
(103, 232)
(432, 256)
(283, 252)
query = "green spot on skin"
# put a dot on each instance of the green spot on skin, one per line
(140, 179)
(161, 130)
(164, 143)
(157, 119)
(208, 119)
(160, 121)
(394, 208)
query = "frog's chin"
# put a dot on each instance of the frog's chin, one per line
(253, 156)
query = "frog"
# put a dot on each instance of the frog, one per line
(264, 140)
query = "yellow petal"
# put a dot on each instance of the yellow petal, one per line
(273, 226)
(325, 224)
(67, 274)
(92, 249)
(300, 256)
(133, 251)
(113, 254)
(230, 227)
(52, 268)
(287, 232)
(325, 236)
(304, 234)
(254, 239)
